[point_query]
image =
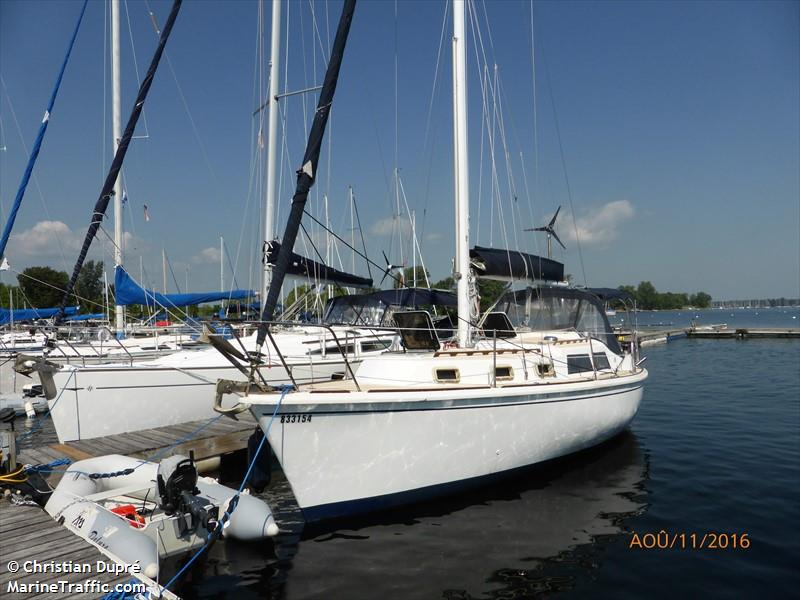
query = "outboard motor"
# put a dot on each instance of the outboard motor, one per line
(177, 489)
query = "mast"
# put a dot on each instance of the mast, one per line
(413, 249)
(164, 270)
(307, 172)
(116, 132)
(272, 140)
(221, 264)
(105, 292)
(100, 207)
(461, 159)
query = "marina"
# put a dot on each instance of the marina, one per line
(421, 366)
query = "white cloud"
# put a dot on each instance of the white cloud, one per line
(208, 255)
(599, 226)
(385, 227)
(47, 239)
(43, 240)
(434, 236)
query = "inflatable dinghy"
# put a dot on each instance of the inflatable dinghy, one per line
(141, 511)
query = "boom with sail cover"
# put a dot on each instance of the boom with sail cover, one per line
(310, 269)
(101, 205)
(511, 265)
(308, 171)
(129, 292)
(31, 314)
(37, 144)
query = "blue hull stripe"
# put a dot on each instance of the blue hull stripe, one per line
(323, 410)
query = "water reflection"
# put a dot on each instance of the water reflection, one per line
(536, 533)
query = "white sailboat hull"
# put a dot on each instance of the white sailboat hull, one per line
(400, 447)
(102, 401)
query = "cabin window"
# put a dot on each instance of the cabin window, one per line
(447, 376)
(601, 361)
(503, 373)
(375, 345)
(333, 350)
(580, 363)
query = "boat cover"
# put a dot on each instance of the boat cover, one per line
(511, 265)
(129, 292)
(31, 314)
(310, 269)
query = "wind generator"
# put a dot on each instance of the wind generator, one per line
(551, 233)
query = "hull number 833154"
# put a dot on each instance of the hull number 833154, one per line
(295, 418)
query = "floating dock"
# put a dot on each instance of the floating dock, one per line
(652, 336)
(743, 333)
(28, 533)
(222, 436)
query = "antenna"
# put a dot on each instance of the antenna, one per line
(551, 233)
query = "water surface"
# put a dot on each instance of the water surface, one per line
(714, 448)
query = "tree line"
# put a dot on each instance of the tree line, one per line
(43, 287)
(648, 298)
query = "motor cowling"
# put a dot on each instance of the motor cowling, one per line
(176, 474)
(178, 494)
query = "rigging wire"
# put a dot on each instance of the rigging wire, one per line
(535, 125)
(50, 285)
(426, 195)
(33, 175)
(364, 256)
(564, 168)
(136, 69)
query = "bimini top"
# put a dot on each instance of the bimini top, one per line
(376, 309)
(559, 308)
(511, 265)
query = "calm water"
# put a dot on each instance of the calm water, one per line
(714, 448)
(733, 318)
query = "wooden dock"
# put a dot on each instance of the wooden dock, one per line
(28, 534)
(221, 437)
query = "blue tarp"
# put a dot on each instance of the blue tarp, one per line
(129, 292)
(89, 317)
(31, 314)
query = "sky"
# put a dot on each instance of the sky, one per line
(669, 132)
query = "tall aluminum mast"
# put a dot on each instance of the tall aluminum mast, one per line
(461, 159)
(116, 132)
(272, 141)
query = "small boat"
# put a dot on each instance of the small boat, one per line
(142, 511)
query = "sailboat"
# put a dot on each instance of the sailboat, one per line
(430, 419)
(89, 401)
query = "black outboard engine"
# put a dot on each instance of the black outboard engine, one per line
(178, 493)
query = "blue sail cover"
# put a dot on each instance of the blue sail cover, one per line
(89, 317)
(129, 292)
(31, 314)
